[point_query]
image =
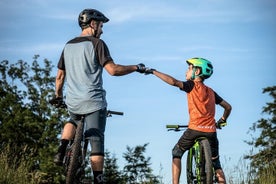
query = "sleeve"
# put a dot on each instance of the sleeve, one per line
(188, 86)
(61, 64)
(102, 53)
(218, 99)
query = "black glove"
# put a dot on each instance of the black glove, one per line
(149, 71)
(57, 102)
(221, 123)
(141, 68)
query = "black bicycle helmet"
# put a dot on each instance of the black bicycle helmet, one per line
(87, 15)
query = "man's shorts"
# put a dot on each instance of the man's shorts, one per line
(95, 123)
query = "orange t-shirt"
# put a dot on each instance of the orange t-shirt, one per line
(201, 105)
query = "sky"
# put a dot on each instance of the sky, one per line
(238, 37)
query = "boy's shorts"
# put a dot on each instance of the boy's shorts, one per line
(188, 138)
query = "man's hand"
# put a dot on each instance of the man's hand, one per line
(149, 71)
(141, 68)
(221, 123)
(57, 102)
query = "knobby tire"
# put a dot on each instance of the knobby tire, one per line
(75, 160)
(190, 170)
(207, 158)
(201, 173)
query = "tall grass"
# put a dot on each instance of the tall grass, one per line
(243, 173)
(13, 169)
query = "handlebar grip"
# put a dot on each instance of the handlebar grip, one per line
(172, 126)
(115, 112)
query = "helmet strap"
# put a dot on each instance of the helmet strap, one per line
(94, 26)
(194, 75)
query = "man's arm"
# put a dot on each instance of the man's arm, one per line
(59, 82)
(119, 70)
(168, 79)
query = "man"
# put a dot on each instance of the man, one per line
(81, 63)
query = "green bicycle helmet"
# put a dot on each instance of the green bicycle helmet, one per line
(87, 15)
(205, 65)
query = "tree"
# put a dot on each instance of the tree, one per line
(27, 122)
(111, 170)
(265, 158)
(137, 170)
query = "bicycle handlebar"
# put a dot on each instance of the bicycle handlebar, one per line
(178, 127)
(109, 113)
(175, 127)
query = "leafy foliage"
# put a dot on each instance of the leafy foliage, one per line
(137, 170)
(111, 170)
(265, 158)
(27, 123)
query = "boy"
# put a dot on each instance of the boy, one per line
(201, 105)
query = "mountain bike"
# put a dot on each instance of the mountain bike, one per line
(199, 166)
(75, 161)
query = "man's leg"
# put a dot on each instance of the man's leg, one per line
(67, 135)
(95, 129)
(68, 131)
(97, 163)
(176, 170)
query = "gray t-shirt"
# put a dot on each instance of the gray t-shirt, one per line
(83, 59)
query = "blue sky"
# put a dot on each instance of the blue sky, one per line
(239, 37)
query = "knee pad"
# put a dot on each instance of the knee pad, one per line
(96, 138)
(72, 122)
(177, 152)
(216, 163)
(97, 146)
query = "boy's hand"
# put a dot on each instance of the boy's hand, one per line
(221, 123)
(149, 71)
(141, 68)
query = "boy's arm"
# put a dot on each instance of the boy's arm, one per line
(168, 79)
(227, 109)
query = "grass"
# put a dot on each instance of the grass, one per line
(14, 171)
(243, 173)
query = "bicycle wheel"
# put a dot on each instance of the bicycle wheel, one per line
(191, 166)
(73, 172)
(199, 163)
(206, 168)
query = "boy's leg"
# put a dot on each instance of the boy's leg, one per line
(215, 158)
(185, 142)
(176, 170)
(221, 177)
